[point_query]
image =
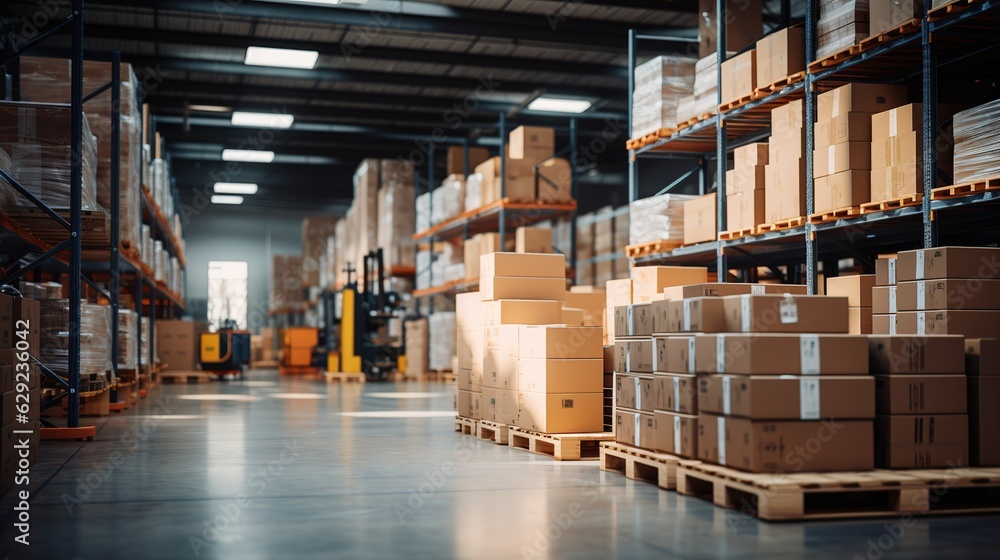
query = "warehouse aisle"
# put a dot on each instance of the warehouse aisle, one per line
(272, 468)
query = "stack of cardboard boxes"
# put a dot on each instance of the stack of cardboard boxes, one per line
(780, 54)
(884, 296)
(636, 394)
(897, 150)
(18, 376)
(608, 230)
(739, 76)
(745, 187)
(889, 14)
(858, 290)
(477, 246)
(785, 170)
(528, 146)
(982, 368)
(700, 220)
(177, 343)
(470, 353)
(841, 24)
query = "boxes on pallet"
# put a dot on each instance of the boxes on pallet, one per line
(970, 323)
(922, 441)
(745, 187)
(744, 24)
(675, 433)
(657, 217)
(592, 304)
(909, 354)
(634, 320)
(455, 160)
(948, 262)
(780, 54)
(518, 184)
(660, 84)
(531, 143)
(634, 355)
(784, 173)
(922, 393)
(858, 289)
(890, 14)
(700, 314)
(841, 24)
(739, 76)
(678, 392)
(977, 154)
(781, 354)
(770, 397)
(730, 289)
(700, 219)
(675, 354)
(984, 420)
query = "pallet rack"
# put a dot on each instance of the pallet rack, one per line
(943, 37)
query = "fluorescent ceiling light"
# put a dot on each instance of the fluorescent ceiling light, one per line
(557, 105)
(264, 120)
(226, 199)
(236, 188)
(210, 108)
(281, 58)
(253, 156)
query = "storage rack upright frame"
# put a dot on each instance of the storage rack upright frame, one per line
(849, 237)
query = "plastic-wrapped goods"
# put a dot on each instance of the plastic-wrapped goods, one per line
(396, 224)
(366, 185)
(175, 274)
(95, 336)
(447, 255)
(157, 255)
(977, 152)
(424, 212)
(705, 88)
(128, 344)
(447, 201)
(144, 344)
(841, 24)
(441, 338)
(38, 141)
(454, 272)
(424, 270)
(657, 217)
(659, 86)
(41, 290)
(339, 251)
(473, 191)
(416, 347)
(145, 243)
(396, 173)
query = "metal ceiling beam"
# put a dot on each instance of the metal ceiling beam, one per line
(422, 17)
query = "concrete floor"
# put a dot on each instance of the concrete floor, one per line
(283, 468)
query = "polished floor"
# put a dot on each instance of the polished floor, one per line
(280, 468)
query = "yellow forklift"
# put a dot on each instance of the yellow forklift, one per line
(226, 351)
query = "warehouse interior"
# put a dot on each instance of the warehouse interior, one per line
(499, 278)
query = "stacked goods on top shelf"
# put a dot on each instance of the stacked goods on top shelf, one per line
(47, 80)
(395, 214)
(845, 153)
(533, 173)
(700, 219)
(745, 187)
(659, 86)
(447, 200)
(739, 76)
(897, 150)
(858, 290)
(705, 97)
(316, 231)
(744, 25)
(657, 218)
(884, 296)
(455, 160)
(841, 24)
(977, 154)
(780, 54)
(889, 14)
(785, 170)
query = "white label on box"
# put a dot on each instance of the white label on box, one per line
(809, 354)
(892, 299)
(720, 353)
(677, 394)
(758, 290)
(920, 265)
(691, 355)
(638, 430)
(726, 400)
(745, 312)
(628, 358)
(892, 122)
(677, 435)
(921, 296)
(892, 324)
(788, 310)
(638, 393)
(892, 271)
(809, 399)
(830, 156)
(721, 426)
(629, 329)
(687, 316)
(921, 318)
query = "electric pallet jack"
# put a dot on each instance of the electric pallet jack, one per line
(225, 351)
(356, 324)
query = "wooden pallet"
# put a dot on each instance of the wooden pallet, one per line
(95, 225)
(906, 28)
(780, 225)
(304, 371)
(651, 247)
(641, 464)
(561, 447)
(185, 377)
(834, 215)
(636, 143)
(762, 92)
(265, 364)
(736, 233)
(966, 189)
(879, 493)
(891, 204)
(341, 377)
(954, 7)
(694, 120)
(466, 426)
(493, 431)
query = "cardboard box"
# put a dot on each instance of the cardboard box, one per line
(948, 262)
(469, 347)
(634, 355)
(908, 354)
(626, 390)
(700, 220)
(770, 446)
(521, 312)
(781, 354)
(518, 185)
(648, 397)
(859, 320)
(769, 397)
(851, 127)
(676, 392)
(549, 341)
(884, 324)
(786, 313)
(700, 314)
(533, 143)
(634, 320)
(494, 288)
(897, 181)
(780, 54)
(982, 356)
(488, 404)
(507, 407)
(745, 209)
(542, 375)
(739, 76)
(744, 24)
(923, 394)
(885, 271)
(969, 323)
(469, 311)
(592, 304)
(505, 338)
(626, 426)
(649, 281)
(845, 156)
(896, 151)
(856, 288)
(500, 372)
(955, 294)
(560, 413)
(646, 435)
(465, 403)
(527, 265)
(897, 121)
(676, 433)
(720, 289)
(859, 98)
(984, 420)
(749, 178)
(533, 240)
(674, 354)
(784, 190)
(177, 344)
(477, 405)
(555, 180)
(619, 292)
(884, 299)
(885, 15)
(751, 155)
(922, 441)
(842, 190)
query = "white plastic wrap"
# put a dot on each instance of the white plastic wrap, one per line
(977, 150)
(441, 339)
(454, 272)
(424, 270)
(448, 201)
(396, 224)
(473, 191)
(128, 344)
(447, 256)
(657, 217)
(841, 24)
(424, 212)
(144, 344)
(95, 336)
(659, 85)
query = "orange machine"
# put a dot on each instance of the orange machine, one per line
(298, 346)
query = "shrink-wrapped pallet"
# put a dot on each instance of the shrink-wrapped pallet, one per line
(441, 339)
(657, 217)
(396, 224)
(473, 191)
(447, 201)
(659, 86)
(841, 24)
(977, 152)
(128, 339)
(95, 336)
(366, 184)
(424, 212)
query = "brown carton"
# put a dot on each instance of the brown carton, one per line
(769, 397)
(897, 181)
(533, 143)
(554, 181)
(661, 314)
(860, 98)
(626, 426)
(634, 356)
(920, 394)
(504, 338)
(499, 371)
(745, 209)
(845, 156)
(533, 240)
(645, 437)
(456, 160)
(859, 320)
(469, 347)
(519, 184)
(884, 324)
(885, 271)
(982, 356)
(780, 54)
(852, 127)
(560, 413)
(700, 219)
(896, 151)
(984, 421)
(573, 317)
(856, 288)
(521, 312)
(907, 354)
(648, 397)
(786, 446)
(541, 375)
(507, 406)
(786, 313)
(626, 390)
(553, 341)
(634, 320)
(730, 289)
(922, 441)
(884, 299)
(618, 292)
(488, 404)
(176, 344)
(842, 190)
(781, 354)
(529, 265)
(971, 324)
(494, 288)
(739, 76)
(897, 121)
(955, 294)
(749, 178)
(750, 155)
(674, 354)
(677, 392)
(592, 305)
(469, 310)
(949, 262)
(650, 281)
(885, 15)
(699, 314)
(465, 403)
(676, 433)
